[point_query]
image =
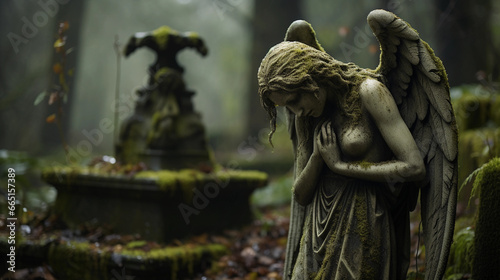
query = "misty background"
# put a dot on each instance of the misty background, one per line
(464, 34)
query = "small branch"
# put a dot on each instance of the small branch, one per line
(59, 126)
(117, 87)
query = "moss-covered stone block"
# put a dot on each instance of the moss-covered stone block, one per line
(81, 260)
(472, 111)
(486, 263)
(475, 106)
(495, 110)
(157, 205)
(477, 147)
(477, 112)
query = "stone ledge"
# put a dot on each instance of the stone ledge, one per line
(81, 260)
(157, 205)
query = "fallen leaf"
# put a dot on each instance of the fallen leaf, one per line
(53, 98)
(59, 43)
(51, 118)
(40, 97)
(57, 68)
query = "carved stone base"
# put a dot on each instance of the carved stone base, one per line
(158, 205)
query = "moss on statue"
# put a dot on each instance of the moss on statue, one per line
(193, 35)
(161, 35)
(438, 63)
(365, 164)
(487, 238)
(370, 265)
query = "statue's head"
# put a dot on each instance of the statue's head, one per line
(298, 77)
(295, 71)
(288, 77)
(290, 67)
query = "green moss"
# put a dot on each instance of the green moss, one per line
(242, 175)
(495, 110)
(487, 238)
(471, 110)
(74, 170)
(82, 260)
(370, 257)
(136, 244)
(193, 35)
(370, 261)
(438, 63)
(365, 164)
(171, 181)
(185, 180)
(78, 260)
(161, 35)
(180, 257)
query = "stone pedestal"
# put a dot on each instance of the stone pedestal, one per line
(158, 205)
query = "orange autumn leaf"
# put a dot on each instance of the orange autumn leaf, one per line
(57, 68)
(51, 118)
(64, 26)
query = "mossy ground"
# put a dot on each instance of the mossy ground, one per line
(253, 252)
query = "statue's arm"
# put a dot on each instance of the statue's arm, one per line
(408, 164)
(305, 182)
(193, 40)
(306, 175)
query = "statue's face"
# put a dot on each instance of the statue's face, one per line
(301, 104)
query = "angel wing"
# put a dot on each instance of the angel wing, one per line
(300, 31)
(418, 82)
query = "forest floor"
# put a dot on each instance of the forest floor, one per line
(257, 251)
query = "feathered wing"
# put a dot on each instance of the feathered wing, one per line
(300, 31)
(418, 82)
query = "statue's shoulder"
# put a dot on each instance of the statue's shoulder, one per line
(371, 90)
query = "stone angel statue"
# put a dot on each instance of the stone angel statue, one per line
(366, 142)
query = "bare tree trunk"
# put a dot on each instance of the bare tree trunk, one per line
(271, 20)
(30, 29)
(464, 41)
(71, 13)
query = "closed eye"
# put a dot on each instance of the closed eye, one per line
(293, 101)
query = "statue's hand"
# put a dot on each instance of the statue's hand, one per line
(326, 141)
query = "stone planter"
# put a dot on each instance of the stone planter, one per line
(158, 205)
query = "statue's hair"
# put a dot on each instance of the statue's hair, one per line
(291, 67)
